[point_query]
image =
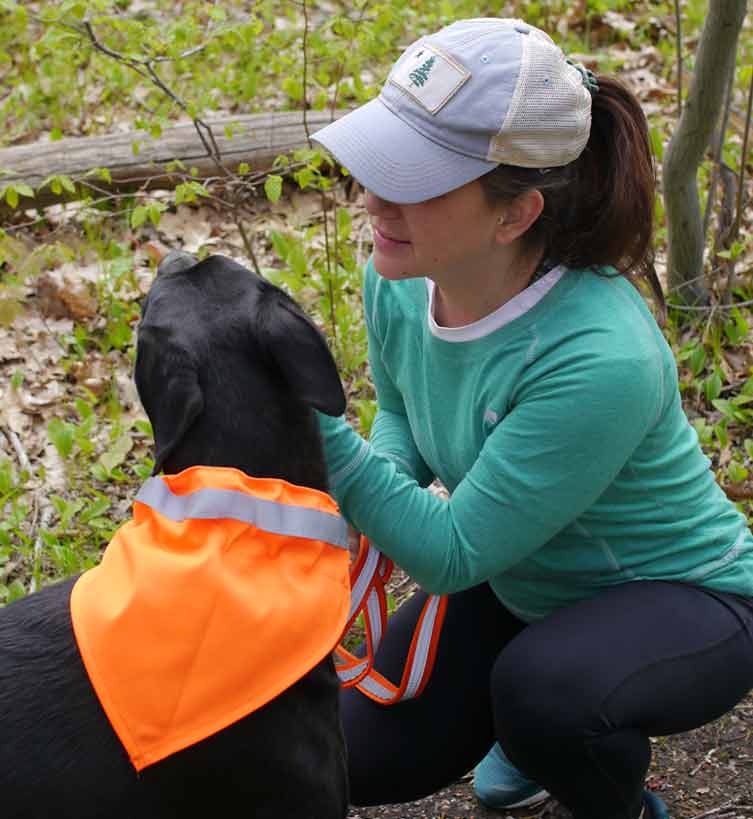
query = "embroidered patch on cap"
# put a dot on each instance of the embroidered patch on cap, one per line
(430, 76)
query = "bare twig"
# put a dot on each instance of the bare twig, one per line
(715, 811)
(145, 68)
(136, 65)
(709, 323)
(725, 220)
(322, 194)
(132, 61)
(678, 36)
(718, 154)
(341, 64)
(706, 760)
(731, 216)
(743, 159)
(305, 70)
(44, 522)
(18, 448)
(710, 308)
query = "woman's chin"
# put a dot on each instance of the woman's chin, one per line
(392, 269)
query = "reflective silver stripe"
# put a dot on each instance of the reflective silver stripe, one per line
(422, 648)
(374, 687)
(362, 581)
(270, 516)
(375, 619)
(347, 674)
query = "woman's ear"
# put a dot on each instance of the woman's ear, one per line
(519, 215)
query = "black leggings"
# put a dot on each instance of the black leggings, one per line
(572, 699)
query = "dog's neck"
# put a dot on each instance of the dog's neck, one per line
(320, 483)
(295, 461)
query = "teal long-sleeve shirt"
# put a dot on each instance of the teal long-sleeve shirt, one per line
(556, 424)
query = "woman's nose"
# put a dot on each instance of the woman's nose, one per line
(375, 205)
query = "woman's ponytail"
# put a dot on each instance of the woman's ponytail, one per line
(599, 209)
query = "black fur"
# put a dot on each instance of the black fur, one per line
(227, 368)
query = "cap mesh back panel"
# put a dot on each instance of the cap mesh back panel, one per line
(549, 119)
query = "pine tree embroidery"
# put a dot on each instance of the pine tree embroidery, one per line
(421, 74)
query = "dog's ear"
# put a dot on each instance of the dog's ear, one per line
(171, 394)
(301, 353)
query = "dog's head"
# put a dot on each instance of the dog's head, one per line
(228, 368)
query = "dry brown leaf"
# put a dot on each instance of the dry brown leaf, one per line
(188, 228)
(62, 293)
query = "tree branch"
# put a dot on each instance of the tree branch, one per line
(715, 57)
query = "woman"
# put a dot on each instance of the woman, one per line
(601, 584)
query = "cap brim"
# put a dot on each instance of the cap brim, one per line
(393, 160)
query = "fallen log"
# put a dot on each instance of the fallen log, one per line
(257, 140)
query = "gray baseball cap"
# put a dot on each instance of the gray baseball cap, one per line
(457, 103)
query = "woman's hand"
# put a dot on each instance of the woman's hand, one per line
(354, 543)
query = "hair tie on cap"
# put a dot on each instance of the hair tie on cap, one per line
(587, 76)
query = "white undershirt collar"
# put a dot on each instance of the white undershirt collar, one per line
(509, 311)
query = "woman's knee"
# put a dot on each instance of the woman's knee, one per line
(538, 693)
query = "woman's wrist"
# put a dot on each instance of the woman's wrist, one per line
(344, 450)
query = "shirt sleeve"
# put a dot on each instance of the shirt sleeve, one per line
(570, 432)
(391, 434)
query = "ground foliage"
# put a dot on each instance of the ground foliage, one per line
(74, 442)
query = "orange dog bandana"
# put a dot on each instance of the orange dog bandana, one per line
(221, 593)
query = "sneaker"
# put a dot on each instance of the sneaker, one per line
(499, 784)
(653, 807)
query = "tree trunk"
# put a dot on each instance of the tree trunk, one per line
(715, 60)
(258, 139)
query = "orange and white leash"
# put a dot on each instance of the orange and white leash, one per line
(368, 578)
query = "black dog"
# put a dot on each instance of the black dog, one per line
(228, 370)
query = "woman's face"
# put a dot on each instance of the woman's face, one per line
(439, 237)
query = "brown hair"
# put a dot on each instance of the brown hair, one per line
(598, 209)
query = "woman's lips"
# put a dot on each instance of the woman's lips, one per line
(385, 242)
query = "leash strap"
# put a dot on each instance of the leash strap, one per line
(368, 578)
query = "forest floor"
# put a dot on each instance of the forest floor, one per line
(702, 773)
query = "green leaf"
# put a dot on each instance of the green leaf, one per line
(243, 169)
(11, 196)
(712, 386)
(748, 444)
(344, 223)
(280, 243)
(139, 216)
(144, 470)
(155, 212)
(84, 409)
(720, 431)
(366, 409)
(304, 177)
(736, 472)
(144, 427)
(724, 406)
(94, 510)
(16, 591)
(297, 259)
(6, 476)
(697, 360)
(273, 187)
(175, 165)
(61, 434)
(117, 453)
